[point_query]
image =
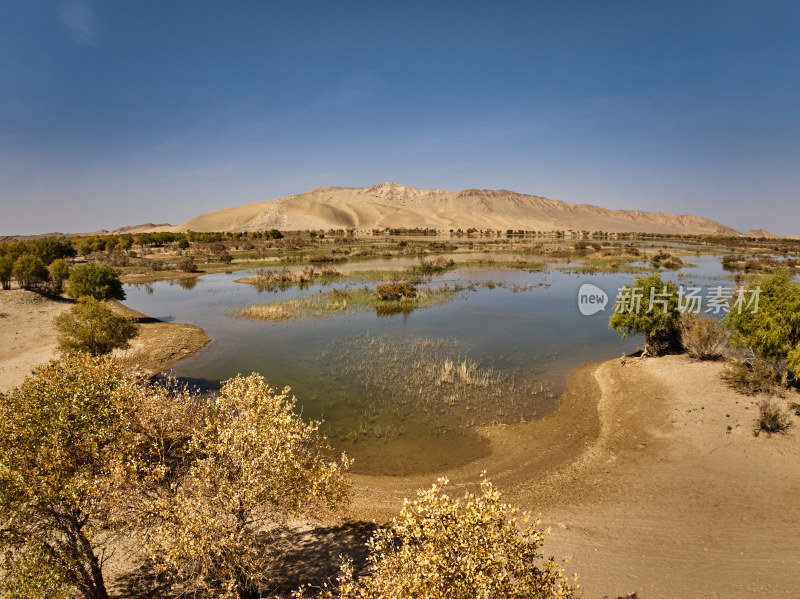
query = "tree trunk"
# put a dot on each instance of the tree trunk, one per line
(97, 586)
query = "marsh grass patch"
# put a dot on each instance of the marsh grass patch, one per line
(411, 380)
(346, 301)
(281, 279)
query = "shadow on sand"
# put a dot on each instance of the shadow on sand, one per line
(299, 557)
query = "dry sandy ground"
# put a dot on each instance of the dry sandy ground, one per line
(644, 486)
(670, 503)
(28, 337)
(392, 205)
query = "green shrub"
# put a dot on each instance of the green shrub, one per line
(91, 327)
(59, 272)
(659, 326)
(772, 332)
(99, 281)
(48, 249)
(30, 272)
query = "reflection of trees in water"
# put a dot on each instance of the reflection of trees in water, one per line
(187, 283)
(148, 287)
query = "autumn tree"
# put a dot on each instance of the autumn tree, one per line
(48, 249)
(6, 271)
(97, 280)
(92, 327)
(773, 330)
(88, 453)
(649, 307)
(59, 272)
(62, 438)
(253, 462)
(30, 272)
(464, 548)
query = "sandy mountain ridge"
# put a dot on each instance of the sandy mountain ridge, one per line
(763, 233)
(393, 205)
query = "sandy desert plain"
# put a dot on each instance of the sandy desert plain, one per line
(645, 469)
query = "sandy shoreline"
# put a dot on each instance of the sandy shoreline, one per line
(29, 338)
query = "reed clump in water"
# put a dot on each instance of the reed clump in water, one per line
(407, 382)
(346, 300)
(281, 279)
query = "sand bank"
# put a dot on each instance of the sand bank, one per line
(29, 339)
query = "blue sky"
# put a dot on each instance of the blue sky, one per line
(118, 112)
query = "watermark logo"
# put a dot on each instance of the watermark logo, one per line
(591, 299)
(635, 300)
(718, 300)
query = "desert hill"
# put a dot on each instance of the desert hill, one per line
(762, 234)
(393, 205)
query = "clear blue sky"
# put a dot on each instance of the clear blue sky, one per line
(121, 112)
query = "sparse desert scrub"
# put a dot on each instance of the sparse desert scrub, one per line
(772, 417)
(703, 338)
(339, 301)
(752, 376)
(187, 264)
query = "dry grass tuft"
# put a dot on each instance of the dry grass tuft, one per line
(752, 376)
(703, 338)
(772, 418)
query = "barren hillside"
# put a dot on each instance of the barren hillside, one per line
(392, 205)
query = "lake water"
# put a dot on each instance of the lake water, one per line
(375, 380)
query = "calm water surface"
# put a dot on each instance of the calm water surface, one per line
(533, 337)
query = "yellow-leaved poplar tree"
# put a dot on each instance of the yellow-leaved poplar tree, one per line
(475, 547)
(253, 462)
